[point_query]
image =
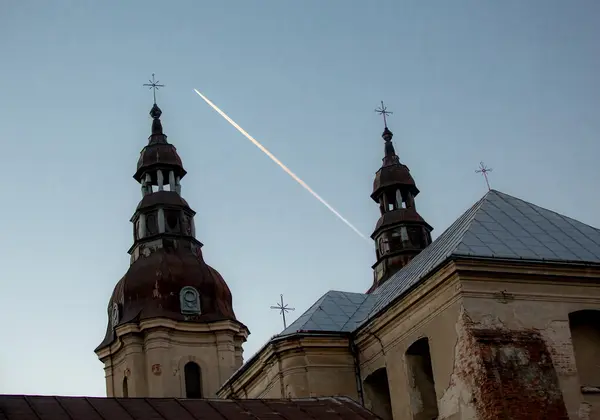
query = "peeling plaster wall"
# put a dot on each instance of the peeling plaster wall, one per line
(495, 346)
(501, 373)
(539, 310)
(299, 369)
(433, 316)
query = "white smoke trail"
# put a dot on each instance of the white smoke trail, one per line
(281, 165)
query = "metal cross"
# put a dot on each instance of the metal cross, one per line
(283, 308)
(484, 170)
(153, 85)
(383, 111)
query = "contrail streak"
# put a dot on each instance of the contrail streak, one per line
(281, 165)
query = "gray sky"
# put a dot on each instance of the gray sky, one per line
(513, 83)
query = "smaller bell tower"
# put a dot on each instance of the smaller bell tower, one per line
(401, 233)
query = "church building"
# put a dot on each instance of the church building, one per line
(498, 318)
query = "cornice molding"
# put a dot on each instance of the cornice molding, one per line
(273, 353)
(399, 306)
(161, 329)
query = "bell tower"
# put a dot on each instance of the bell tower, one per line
(171, 331)
(400, 233)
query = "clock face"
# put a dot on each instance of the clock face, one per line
(190, 298)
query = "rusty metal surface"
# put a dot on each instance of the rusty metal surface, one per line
(22, 407)
(397, 174)
(163, 198)
(151, 287)
(159, 155)
(398, 216)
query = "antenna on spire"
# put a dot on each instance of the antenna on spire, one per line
(484, 170)
(154, 86)
(283, 308)
(382, 110)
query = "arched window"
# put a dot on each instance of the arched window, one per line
(420, 377)
(125, 389)
(193, 380)
(378, 394)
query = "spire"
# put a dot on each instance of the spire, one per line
(390, 157)
(155, 112)
(400, 233)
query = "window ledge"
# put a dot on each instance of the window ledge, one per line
(590, 389)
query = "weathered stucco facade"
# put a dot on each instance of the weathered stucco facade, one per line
(501, 339)
(498, 318)
(302, 366)
(149, 360)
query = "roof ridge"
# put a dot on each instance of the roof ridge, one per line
(358, 308)
(498, 225)
(570, 219)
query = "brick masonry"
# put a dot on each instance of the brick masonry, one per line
(510, 373)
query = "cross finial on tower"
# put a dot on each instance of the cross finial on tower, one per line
(383, 111)
(484, 170)
(154, 86)
(283, 308)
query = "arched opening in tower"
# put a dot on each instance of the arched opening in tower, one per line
(193, 382)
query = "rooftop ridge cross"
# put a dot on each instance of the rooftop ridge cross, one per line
(283, 308)
(484, 170)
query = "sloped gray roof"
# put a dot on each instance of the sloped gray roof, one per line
(499, 226)
(334, 312)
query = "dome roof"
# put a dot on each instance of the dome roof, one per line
(394, 217)
(159, 154)
(390, 175)
(168, 198)
(151, 288)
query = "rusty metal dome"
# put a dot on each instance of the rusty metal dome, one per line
(151, 289)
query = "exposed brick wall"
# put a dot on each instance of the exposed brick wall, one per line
(520, 381)
(501, 374)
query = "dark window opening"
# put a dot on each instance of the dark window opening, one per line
(421, 382)
(193, 387)
(377, 392)
(585, 336)
(125, 388)
(172, 219)
(151, 224)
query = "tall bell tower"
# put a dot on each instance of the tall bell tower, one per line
(401, 233)
(171, 327)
